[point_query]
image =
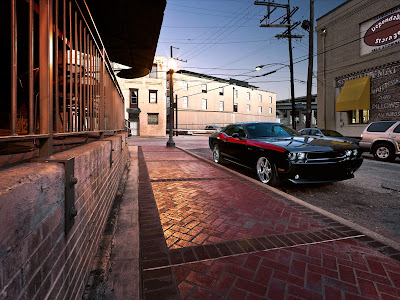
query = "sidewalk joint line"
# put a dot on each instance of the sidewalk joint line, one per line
(252, 252)
(190, 179)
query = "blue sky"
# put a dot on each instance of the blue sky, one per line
(223, 38)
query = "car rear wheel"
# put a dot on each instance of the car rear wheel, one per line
(217, 155)
(384, 152)
(266, 171)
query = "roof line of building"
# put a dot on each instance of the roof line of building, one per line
(337, 7)
(230, 81)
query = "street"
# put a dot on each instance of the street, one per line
(371, 199)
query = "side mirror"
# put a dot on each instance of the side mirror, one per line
(236, 135)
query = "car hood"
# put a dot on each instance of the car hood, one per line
(308, 143)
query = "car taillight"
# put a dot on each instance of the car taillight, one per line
(361, 137)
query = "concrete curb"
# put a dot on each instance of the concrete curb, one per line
(123, 281)
(348, 223)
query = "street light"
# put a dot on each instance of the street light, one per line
(291, 85)
(171, 66)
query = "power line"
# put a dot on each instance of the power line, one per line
(217, 34)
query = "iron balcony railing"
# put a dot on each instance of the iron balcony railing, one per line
(62, 82)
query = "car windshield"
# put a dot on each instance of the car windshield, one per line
(270, 130)
(331, 133)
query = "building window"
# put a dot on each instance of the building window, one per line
(358, 116)
(248, 96)
(235, 107)
(152, 96)
(259, 98)
(134, 98)
(259, 109)
(270, 110)
(221, 105)
(203, 103)
(153, 73)
(204, 88)
(270, 99)
(185, 102)
(221, 91)
(248, 107)
(152, 119)
(185, 85)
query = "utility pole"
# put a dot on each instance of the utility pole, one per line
(286, 34)
(173, 105)
(310, 62)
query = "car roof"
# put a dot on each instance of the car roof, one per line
(250, 123)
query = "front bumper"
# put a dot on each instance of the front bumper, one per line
(320, 172)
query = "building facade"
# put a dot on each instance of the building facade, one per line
(358, 65)
(200, 100)
(145, 105)
(206, 100)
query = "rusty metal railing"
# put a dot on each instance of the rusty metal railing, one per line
(62, 82)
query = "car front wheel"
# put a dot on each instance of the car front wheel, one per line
(266, 171)
(217, 155)
(384, 152)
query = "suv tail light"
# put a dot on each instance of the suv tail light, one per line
(361, 137)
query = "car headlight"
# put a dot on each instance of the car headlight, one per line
(301, 156)
(348, 153)
(296, 156)
(355, 152)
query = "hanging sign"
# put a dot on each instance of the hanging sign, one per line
(380, 32)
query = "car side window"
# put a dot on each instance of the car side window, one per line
(380, 126)
(397, 129)
(241, 132)
(237, 129)
(229, 130)
(314, 132)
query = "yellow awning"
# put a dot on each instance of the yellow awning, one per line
(355, 95)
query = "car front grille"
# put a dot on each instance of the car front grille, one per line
(324, 156)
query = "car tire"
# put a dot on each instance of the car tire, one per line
(217, 157)
(266, 171)
(384, 152)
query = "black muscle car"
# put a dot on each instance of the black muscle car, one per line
(279, 153)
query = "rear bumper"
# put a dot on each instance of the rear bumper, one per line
(301, 173)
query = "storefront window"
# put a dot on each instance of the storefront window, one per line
(358, 116)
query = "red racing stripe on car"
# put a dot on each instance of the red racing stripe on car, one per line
(251, 143)
(266, 146)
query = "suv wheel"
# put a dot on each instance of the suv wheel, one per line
(384, 152)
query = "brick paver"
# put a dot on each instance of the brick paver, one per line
(341, 269)
(209, 234)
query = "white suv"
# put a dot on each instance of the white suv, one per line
(382, 139)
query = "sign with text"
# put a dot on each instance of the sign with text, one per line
(380, 32)
(385, 91)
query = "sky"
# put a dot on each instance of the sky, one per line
(223, 38)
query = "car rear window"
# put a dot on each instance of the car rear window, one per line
(380, 126)
(397, 129)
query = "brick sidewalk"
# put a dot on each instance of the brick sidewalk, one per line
(207, 233)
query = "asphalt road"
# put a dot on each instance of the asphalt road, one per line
(371, 199)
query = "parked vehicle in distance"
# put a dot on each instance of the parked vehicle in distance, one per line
(280, 154)
(382, 139)
(212, 127)
(327, 133)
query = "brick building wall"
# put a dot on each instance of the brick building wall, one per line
(340, 57)
(37, 259)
